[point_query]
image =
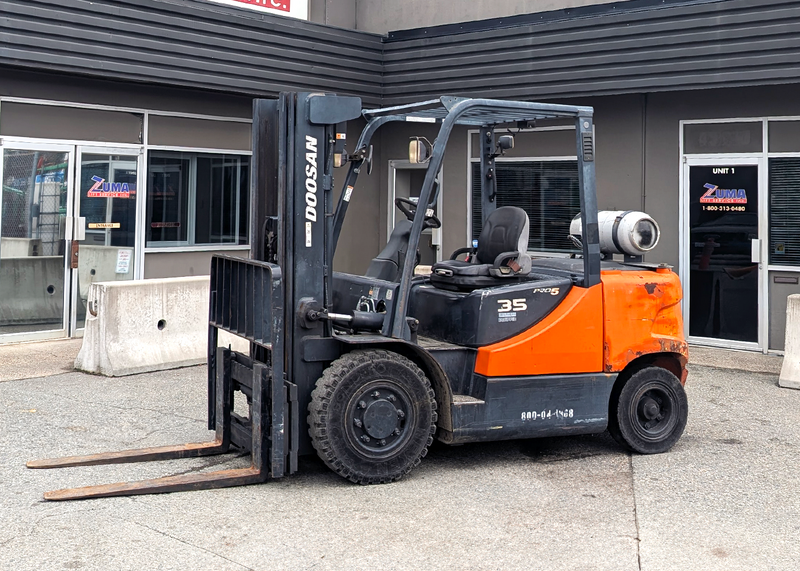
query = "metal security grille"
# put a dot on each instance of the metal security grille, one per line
(547, 190)
(34, 198)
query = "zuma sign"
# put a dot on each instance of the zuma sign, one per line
(717, 195)
(722, 191)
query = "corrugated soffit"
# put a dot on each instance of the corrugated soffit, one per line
(680, 47)
(189, 43)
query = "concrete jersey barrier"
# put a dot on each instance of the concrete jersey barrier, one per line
(32, 291)
(790, 370)
(148, 325)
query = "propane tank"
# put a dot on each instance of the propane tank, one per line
(622, 231)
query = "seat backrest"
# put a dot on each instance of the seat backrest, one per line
(506, 230)
(387, 264)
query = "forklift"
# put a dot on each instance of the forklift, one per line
(492, 344)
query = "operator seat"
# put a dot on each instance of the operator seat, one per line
(501, 254)
(389, 263)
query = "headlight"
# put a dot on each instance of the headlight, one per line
(622, 231)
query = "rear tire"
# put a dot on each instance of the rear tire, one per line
(648, 414)
(372, 416)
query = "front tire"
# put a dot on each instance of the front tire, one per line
(650, 411)
(372, 416)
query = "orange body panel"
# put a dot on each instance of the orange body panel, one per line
(568, 340)
(642, 316)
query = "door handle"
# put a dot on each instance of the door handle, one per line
(80, 228)
(755, 251)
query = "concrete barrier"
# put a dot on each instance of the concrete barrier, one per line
(99, 264)
(31, 290)
(790, 370)
(20, 247)
(149, 325)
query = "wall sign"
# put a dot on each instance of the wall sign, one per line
(103, 189)
(723, 191)
(294, 8)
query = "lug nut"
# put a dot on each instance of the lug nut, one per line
(365, 438)
(383, 442)
(400, 413)
(357, 422)
(376, 394)
(397, 432)
(362, 404)
(391, 398)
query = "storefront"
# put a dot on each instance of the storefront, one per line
(125, 138)
(97, 193)
(740, 250)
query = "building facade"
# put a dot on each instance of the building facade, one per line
(132, 141)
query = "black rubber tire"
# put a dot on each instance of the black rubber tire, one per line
(336, 410)
(648, 413)
(613, 401)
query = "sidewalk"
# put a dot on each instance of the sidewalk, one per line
(47, 358)
(738, 360)
(37, 359)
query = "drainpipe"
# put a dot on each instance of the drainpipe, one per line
(644, 152)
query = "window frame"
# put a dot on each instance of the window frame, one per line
(530, 158)
(189, 245)
(775, 265)
(768, 155)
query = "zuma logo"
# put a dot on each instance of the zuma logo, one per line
(550, 290)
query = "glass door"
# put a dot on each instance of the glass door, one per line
(405, 181)
(723, 256)
(34, 240)
(105, 211)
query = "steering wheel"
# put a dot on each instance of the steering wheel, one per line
(409, 208)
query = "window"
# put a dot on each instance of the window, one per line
(197, 199)
(784, 212)
(547, 190)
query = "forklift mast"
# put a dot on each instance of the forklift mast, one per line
(294, 140)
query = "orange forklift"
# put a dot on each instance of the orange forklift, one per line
(366, 371)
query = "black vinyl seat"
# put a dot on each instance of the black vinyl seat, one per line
(389, 263)
(501, 254)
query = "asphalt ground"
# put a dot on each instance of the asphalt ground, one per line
(726, 497)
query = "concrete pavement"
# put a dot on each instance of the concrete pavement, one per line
(40, 359)
(724, 498)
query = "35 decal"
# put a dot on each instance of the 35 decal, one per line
(505, 305)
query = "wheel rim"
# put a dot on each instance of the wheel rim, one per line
(653, 411)
(380, 419)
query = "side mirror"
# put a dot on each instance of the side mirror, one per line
(505, 142)
(418, 150)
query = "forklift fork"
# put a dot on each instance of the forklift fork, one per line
(246, 299)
